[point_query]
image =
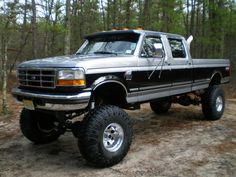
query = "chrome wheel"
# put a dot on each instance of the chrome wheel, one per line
(106, 137)
(219, 104)
(113, 137)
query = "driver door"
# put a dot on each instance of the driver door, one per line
(154, 71)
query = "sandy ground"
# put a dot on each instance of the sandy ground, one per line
(179, 143)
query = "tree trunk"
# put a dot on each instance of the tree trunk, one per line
(23, 39)
(145, 15)
(53, 30)
(192, 26)
(192, 20)
(103, 15)
(187, 19)
(68, 29)
(128, 13)
(203, 33)
(49, 8)
(108, 14)
(33, 28)
(197, 31)
(114, 14)
(5, 38)
(221, 30)
(140, 10)
(4, 79)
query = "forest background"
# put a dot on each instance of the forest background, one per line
(32, 29)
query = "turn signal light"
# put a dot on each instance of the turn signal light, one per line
(80, 82)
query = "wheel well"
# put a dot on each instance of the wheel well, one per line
(111, 93)
(216, 79)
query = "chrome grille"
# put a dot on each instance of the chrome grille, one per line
(42, 78)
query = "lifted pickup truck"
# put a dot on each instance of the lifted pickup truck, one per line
(112, 71)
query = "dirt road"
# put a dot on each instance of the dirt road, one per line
(180, 143)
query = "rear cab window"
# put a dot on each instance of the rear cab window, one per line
(177, 48)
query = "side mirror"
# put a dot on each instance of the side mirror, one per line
(159, 53)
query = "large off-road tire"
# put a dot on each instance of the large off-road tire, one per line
(161, 106)
(38, 127)
(106, 136)
(213, 103)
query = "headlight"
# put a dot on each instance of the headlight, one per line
(71, 77)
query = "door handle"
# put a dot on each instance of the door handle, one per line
(188, 63)
(167, 63)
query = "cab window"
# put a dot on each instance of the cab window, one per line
(177, 48)
(148, 49)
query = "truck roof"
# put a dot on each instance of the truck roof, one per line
(104, 33)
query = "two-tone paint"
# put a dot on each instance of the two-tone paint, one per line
(143, 79)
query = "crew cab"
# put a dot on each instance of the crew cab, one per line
(112, 71)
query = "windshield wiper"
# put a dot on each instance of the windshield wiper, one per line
(104, 52)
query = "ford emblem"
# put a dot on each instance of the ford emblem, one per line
(33, 77)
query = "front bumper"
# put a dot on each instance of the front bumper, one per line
(55, 102)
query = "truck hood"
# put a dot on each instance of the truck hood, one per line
(86, 62)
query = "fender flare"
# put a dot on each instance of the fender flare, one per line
(108, 79)
(214, 74)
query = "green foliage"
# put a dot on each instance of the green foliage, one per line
(211, 22)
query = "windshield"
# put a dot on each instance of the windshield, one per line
(116, 44)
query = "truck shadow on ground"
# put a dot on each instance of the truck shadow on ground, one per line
(177, 118)
(149, 126)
